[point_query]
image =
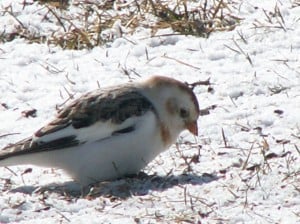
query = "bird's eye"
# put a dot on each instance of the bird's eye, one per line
(183, 113)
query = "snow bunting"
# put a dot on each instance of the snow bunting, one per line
(110, 132)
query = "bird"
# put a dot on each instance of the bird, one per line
(110, 132)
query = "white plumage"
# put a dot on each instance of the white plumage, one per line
(112, 132)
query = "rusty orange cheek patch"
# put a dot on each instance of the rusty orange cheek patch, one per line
(170, 106)
(165, 135)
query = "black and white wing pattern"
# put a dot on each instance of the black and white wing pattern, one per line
(94, 116)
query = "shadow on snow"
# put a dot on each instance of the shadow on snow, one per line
(140, 184)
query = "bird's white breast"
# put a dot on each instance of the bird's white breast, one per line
(113, 157)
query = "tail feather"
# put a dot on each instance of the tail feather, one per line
(31, 146)
(16, 149)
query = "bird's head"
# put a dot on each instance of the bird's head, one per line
(176, 104)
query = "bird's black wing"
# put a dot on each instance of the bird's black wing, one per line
(109, 105)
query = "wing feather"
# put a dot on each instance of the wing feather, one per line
(114, 105)
(28, 145)
(94, 116)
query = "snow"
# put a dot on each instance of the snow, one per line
(233, 177)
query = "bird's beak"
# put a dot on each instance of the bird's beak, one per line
(192, 127)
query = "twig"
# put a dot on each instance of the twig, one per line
(277, 11)
(234, 194)
(184, 194)
(98, 84)
(146, 52)
(240, 33)
(181, 62)
(57, 17)
(71, 96)
(248, 156)
(10, 170)
(11, 13)
(130, 41)
(230, 48)
(233, 101)
(296, 147)
(72, 82)
(51, 68)
(268, 17)
(216, 9)
(243, 52)
(198, 83)
(206, 110)
(63, 216)
(8, 134)
(243, 127)
(224, 138)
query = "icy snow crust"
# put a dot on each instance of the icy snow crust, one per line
(243, 168)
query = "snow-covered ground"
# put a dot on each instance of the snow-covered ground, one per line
(243, 168)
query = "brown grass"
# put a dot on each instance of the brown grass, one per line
(85, 29)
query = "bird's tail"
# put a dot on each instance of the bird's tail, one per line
(14, 150)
